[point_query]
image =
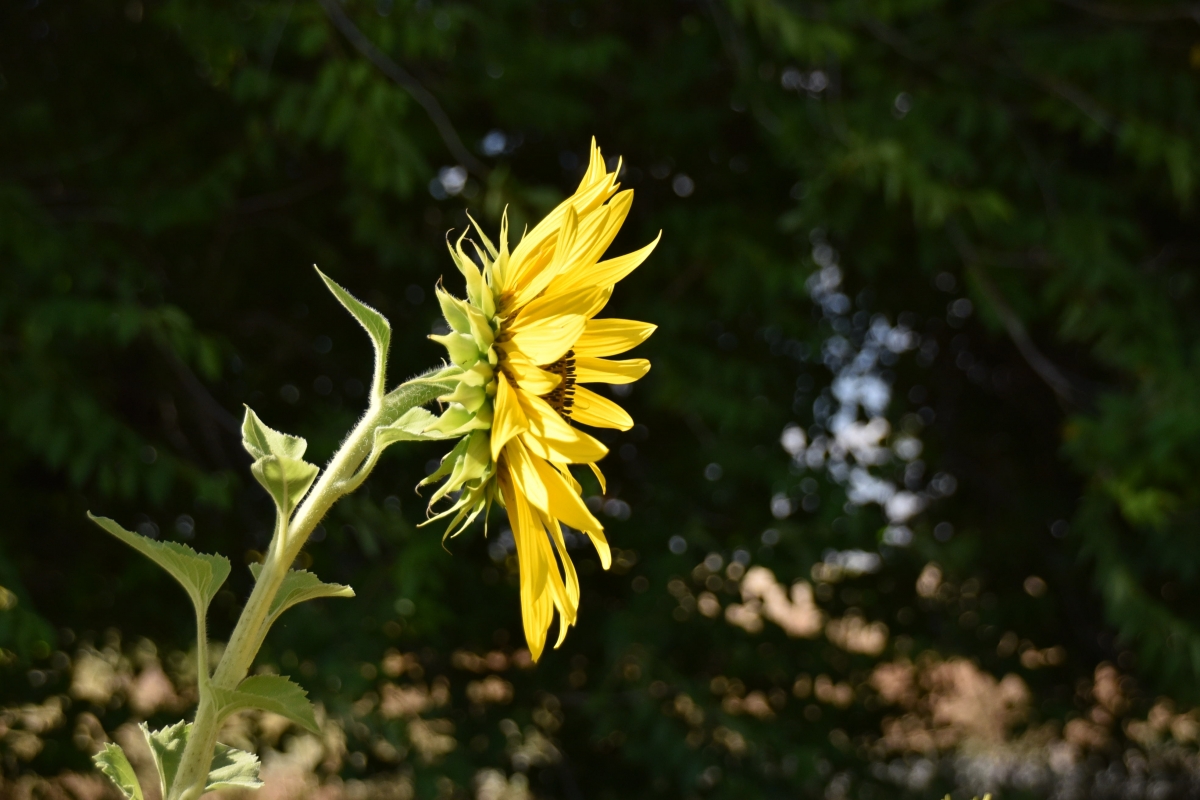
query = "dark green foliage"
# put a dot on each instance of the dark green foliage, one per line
(170, 172)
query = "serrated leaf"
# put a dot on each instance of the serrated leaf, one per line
(113, 763)
(167, 746)
(200, 574)
(297, 587)
(376, 325)
(285, 479)
(274, 693)
(232, 769)
(260, 440)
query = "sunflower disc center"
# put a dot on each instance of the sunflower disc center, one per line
(562, 398)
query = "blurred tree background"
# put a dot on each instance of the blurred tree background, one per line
(911, 503)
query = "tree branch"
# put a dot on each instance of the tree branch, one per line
(409, 83)
(1043, 366)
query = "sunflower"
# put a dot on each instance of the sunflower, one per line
(524, 344)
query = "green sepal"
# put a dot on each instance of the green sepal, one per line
(481, 330)
(469, 397)
(447, 463)
(201, 575)
(112, 762)
(285, 479)
(465, 318)
(463, 349)
(453, 310)
(297, 587)
(232, 769)
(373, 322)
(166, 746)
(478, 292)
(261, 441)
(471, 387)
(481, 374)
(491, 248)
(472, 462)
(470, 472)
(458, 420)
(274, 693)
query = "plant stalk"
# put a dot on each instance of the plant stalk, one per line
(290, 536)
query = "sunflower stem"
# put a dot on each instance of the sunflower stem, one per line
(341, 476)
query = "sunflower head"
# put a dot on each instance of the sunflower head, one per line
(523, 344)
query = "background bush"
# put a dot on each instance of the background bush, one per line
(974, 223)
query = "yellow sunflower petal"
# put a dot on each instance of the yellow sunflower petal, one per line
(584, 449)
(525, 476)
(530, 254)
(565, 504)
(565, 471)
(531, 283)
(603, 274)
(599, 476)
(599, 299)
(499, 268)
(534, 571)
(547, 340)
(600, 542)
(585, 302)
(509, 419)
(597, 231)
(599, 370)
(599, 412)
(529, 376)
(608, 337)
(596, 169)
(570, 577)
(550, 437)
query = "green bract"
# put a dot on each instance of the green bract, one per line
(470, 469)
(470, 348)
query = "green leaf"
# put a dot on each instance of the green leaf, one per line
(422, 389)
(410, 427)
(113, 763)
(376, 325)
(273, 693)
(297, 587)
(200, 574)
(279, 462)
(167, 746)
(285, 479)
(261, 441)
(232, 769)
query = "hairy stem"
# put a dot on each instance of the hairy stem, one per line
(290, 536)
